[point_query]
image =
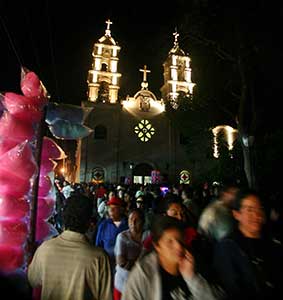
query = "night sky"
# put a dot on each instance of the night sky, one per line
(55, 40)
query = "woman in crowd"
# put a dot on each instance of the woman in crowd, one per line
(127, 249)
(248, 263)
(167, 272)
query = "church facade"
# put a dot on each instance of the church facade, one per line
(132, 139)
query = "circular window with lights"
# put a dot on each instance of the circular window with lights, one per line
(144, 130)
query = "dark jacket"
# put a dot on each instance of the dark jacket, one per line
(249, 268)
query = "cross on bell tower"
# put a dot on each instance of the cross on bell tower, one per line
(176, 35)
(108, 31)
(145, 71)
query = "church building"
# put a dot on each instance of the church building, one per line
(132, 139)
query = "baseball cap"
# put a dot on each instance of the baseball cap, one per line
(115, 201)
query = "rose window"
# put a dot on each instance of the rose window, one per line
(144, 130)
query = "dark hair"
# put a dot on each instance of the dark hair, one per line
(77, 213)
(139, 212)
(171, 201)
(241, 194)
(162, 223)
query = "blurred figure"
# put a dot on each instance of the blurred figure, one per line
(249, 263)
(168, 272)
(67, 266)
(67, 189)
(216, 220)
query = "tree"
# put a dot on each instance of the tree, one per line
(232, 47)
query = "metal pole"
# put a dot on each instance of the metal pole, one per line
(31, 242)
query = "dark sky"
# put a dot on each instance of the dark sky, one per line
(55, 40)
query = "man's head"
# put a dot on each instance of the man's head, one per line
(77, 213)
(140, 202)
(115, 208)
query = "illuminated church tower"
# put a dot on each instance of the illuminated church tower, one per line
(177, 75)
(103, 78)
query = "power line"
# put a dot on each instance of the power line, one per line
(11, 41)
(52, 50)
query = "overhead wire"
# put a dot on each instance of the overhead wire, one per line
(11, 41)
(51, 47)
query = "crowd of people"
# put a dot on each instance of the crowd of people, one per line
(154, 243)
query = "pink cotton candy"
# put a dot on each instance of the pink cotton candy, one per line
(11, 185)
(22, 108)
(6, 144)
(51, 150)
(31, 85)
(19, 161)
(47, 165)
(45, 208)
(11, 258)
(45, 186)
(42, 229)
(12, 127)
(13, 232)
(11, 207)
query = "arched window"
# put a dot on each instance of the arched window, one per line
(100, 132)
(104, 67)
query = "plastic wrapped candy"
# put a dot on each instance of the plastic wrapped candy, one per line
(72, 113)
(11, 185)
(31, 85)
(45, 208)
(45, 186)
(2, 108)
(23, 108)
(46, 166)
(13, 232)
(11, 257)
(63, 129)
(7, 144)
(12, 127)
(12, 207)
(19, 161)
(51, 150)
(44, 230)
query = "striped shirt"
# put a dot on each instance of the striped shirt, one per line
(68, 267)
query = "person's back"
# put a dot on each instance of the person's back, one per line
(68, 267)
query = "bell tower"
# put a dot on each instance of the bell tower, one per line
(177, 74)
(103, 78)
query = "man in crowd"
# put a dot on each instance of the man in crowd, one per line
(67, 266)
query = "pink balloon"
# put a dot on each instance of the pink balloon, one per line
(7, 144)
(11, 258)
(45, 208)
(31, 85)
(23, 108)
(51, 150)
(11, 207)
(45, 186)
(13, 232)
(11, 185)
(47, 165)
(12, 127)
(19, 161)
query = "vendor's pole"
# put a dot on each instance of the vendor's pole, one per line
(31, 243)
